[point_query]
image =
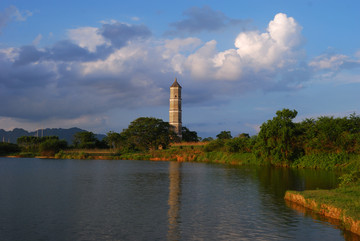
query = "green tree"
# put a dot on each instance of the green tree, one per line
(52, 146)
(240, 144)
(189, 136)
(147, 133)
(207, 139)
(224, 135)
(28, 143)
(85, 139)
(276, 141)
(8, 148)
(114, 140)
(48, 145)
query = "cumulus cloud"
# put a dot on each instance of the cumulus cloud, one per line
(259, 60)
(274, 48)
(13, 14)
(87, 37)
(202, 19)
(119, 66)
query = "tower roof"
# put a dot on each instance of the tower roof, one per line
(175, 84)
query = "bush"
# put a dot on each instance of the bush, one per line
(8, 148)
(215, 145)
(52, 146)
(349, 179)
(327, 161)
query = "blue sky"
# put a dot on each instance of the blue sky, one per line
(98, 65)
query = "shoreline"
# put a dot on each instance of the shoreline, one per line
(297, 199)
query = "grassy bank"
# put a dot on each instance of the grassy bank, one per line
(194, 152)
(342, 204)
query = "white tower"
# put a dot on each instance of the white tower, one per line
(175, 108)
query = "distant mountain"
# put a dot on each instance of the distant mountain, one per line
(65, 134)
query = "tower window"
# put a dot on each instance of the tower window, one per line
(175, 96)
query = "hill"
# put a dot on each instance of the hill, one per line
(66, 134)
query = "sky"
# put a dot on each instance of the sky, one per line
(98, 65)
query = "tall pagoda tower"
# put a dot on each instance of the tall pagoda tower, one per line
(175, 108)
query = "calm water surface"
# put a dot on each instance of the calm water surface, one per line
(143, 200)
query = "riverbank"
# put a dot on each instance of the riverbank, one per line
(342, 204)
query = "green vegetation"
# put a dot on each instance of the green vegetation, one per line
(325, 143)
(8, 148)
(87, 140)
(346, 197)
(147, 133)
(31, 146)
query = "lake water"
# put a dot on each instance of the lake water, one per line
(42, 199)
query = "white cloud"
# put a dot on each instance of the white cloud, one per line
(10, 54)
(256, 56)
(333, 62)
(274, 48)
(135, 69)
(328, 62)
(87, 37)
(200, 64)
(229, 65)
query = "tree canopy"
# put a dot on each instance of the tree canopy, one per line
(224, 135)
(147, 133)
(189, 136)
(275, 141)
(87, 140)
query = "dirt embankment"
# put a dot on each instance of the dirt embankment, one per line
(325, 210)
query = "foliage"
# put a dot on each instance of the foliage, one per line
(326, 161)
(52, 146)
(215, 145)
(349, 179)
(8, 148)
(224, 135)
(113, 140)
(47, 145)
(207, 139)
(88, 140)
(84, 139)
(147, 133)
(241, 144)
(189, 136)
(276, 140)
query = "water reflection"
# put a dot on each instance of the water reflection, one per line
(335, 223)
(140, 200)
(174, 200)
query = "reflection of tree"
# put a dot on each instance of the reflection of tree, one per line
(277, 180)
(174, 200)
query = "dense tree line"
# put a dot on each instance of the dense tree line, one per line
(48, 145)
(142, 134)
(146, 133)
(8, 148)
(282, 141)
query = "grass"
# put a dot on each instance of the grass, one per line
(346, 198)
